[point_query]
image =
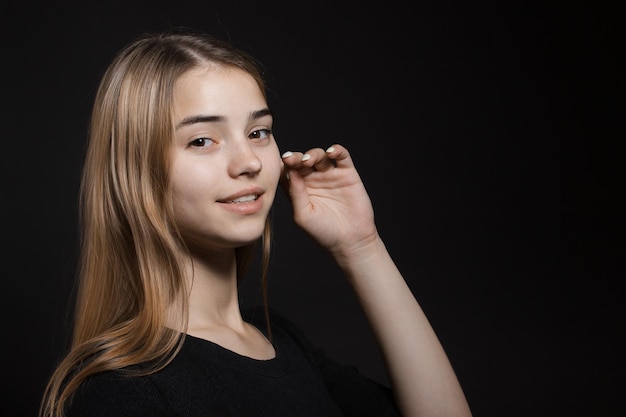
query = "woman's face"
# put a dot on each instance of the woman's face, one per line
(225, 164)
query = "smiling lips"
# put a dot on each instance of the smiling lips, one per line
(243, 199)
(244, 196)
(245, 202)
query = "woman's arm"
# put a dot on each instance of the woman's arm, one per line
(331, 204)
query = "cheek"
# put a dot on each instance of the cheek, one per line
(182, 199)
(190, 182)
(180, 187)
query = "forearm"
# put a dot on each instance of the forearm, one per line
(422, 378)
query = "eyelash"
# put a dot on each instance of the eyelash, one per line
(267, 132)
(200, 142)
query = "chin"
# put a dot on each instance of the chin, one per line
(247, 238)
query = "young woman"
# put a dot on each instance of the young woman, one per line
(180, 175)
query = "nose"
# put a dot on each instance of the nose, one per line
(243, 159)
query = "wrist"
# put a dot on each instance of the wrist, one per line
(360, 253)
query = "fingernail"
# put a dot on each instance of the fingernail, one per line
(331, 149)
(306, 157)
(287, 154)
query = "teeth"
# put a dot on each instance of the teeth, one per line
(244, 199)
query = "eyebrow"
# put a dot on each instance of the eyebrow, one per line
(257, 114)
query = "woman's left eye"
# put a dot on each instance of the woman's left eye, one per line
(201, 142)
(260, 134)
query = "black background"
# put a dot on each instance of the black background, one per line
(490, 138)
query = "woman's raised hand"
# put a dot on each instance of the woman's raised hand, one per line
(329, 199)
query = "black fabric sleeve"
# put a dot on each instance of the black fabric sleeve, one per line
(113, 394)
(356, 394)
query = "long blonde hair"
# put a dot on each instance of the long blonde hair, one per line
(130, 271)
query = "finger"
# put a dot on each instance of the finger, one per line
(317, 159)
(340, 155)
(293, 161)
(297, 192)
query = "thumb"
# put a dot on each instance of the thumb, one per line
(293, 184)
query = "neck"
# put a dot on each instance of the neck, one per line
(214, 312)
(214, 299)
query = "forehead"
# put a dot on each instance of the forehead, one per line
(213, 88)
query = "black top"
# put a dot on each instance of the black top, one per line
(207, 380)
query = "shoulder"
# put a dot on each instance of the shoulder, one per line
(117, 393)
(355, 393)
